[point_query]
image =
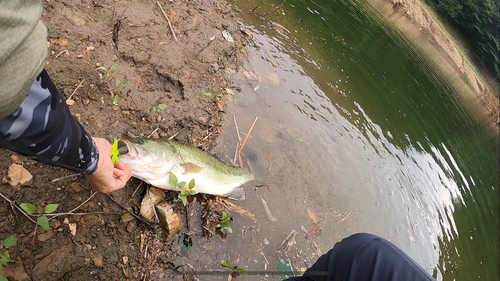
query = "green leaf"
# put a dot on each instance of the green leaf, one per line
(114, 67)
(43, 222)
(225, 263)
(28, 208)
(172, 179)
(39, 209)
(51, 208)
(191, 184)
(3, 278)
(162, 106)
(181, 184)
(228, 227)
(241, 271)
(184, 192)
(152, 109)
(210, 95)
(117, 82)
(9, 242)
(183, 199)
(192, 192)
(116, 99)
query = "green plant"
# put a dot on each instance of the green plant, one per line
(225, 223)
(184, 190)
(161, 106)
(211, 95)
(104, 74)
(5, 256)
(40, 212)
(235, 270)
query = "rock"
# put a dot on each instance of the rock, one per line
(55, 265)
(153, 197)
(15, 159)
(170, 221)
(126, 217)
(18, 176)
(14, 272)
(45, 236)
(98, 261)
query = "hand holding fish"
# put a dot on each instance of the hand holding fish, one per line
(108, 177)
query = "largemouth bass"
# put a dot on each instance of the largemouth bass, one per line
(153, 160)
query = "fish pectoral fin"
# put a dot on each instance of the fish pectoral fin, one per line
(191, 168)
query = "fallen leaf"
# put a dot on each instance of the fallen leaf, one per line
(72, 228)
(312, 215)
(62, 41)
(313, 230)
(220, 105)
(98, 261)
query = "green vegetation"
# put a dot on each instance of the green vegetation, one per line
(477, 21)
(235, 270)
(42, 219)
(5, 256)
(184, 190)
(211, 95)
(225, 223)
(161, 106)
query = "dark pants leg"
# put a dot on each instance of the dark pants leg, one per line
(365, 257)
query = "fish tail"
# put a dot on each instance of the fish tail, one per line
(237, 193)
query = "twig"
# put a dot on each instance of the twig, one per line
(239, 139)
(137, 189)
(77, 207)
(77, 87)
(169, 24)
(65, 51)
(248, 134)
(174, 135)
(68, 176)
(134, 215)
(153, 132)
(21, 210)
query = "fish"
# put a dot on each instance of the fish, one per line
(152, 160)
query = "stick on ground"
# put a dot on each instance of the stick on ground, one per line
(168, 20)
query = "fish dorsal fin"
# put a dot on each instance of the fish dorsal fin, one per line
(191, 168)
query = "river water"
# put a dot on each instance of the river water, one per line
(358, 131)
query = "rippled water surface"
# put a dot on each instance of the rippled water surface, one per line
(356, 129)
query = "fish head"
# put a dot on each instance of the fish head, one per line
(148, 159)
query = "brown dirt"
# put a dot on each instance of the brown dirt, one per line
(415, 19)
(154, 69)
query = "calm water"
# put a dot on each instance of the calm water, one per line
(355, 126)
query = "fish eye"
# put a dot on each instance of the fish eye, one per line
(140, 141)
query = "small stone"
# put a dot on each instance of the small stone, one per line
(153, 197)
(203, 120)
(126, 217)
(18, 176)
(98, 261)
(15, 159)
(44, 236)
(169, 221)
(76, 187)
(130, 226)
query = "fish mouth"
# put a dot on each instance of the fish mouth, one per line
(131, 149)
(123, 147)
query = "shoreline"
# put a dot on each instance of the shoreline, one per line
(413, 19)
